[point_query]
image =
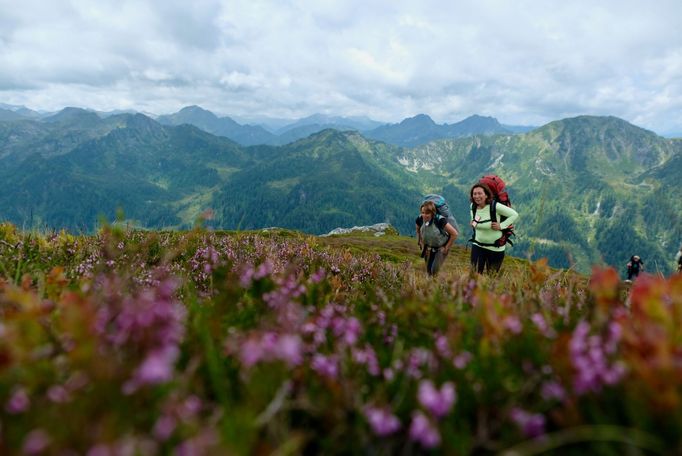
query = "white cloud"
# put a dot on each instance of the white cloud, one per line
(529, 61)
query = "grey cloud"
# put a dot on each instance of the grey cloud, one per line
(192, 24)
(526, 61)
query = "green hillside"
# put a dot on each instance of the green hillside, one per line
(331, 179)
(590, 190)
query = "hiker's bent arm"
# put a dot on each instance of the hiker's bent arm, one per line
(419, 235)
(511, 214)
(453, 235)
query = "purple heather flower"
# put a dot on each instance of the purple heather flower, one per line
(164, 427)
(246, 277)
(199, 444)
(347, 329)
(513, 324)
(100, 450)
(36, 442)
(531, 424)
(189, 408)
(390, 334)
(553, 391)
(419, 357)
(442, 346)
(251, 352)
(318, 276)
(368, 357)
(615, 332)
(58, 394)
(462, 360)
(325, 365)
(539, 320)
(423, 431)
(19, 402)
(437, 402)
(590, 360)
(156, 368)
(265, 269)
(290, 349)
(382, 421)
(389, 374)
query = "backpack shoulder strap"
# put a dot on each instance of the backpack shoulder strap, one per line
(493, 210)
(441, 220)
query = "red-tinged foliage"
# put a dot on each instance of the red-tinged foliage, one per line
(605, 287)
(653, 337)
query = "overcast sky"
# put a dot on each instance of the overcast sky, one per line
(525, 62)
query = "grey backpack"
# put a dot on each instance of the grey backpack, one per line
(433, 236)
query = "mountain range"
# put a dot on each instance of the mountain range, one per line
(589, 189)
(417, 130)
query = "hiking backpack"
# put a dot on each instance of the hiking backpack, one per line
(432, 235)
(442, 208)
(497, 186)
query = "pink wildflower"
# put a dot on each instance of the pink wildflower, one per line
(189, 408)
(437, 402)
(251, 352)
(423, 431)
(462, 360)
(589, 355)
(325, 365)
(442, 346)
(164, 427)
(156, 368)
(531, 424)
(58, 394)
(553, 391)
(19, 402)
(290, 349)
(539, 320)
(382, 421)
(36, 442)
(513, 324)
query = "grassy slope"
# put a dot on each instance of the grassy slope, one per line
(404, 249)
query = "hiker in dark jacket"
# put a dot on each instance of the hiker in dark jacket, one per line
(486, 254)
(634, 266)
(678, 260)
(435, 237)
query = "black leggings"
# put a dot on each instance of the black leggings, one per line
(434, 260)
(486, 259)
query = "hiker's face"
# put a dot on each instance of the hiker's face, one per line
(478, 195)
(426, 215)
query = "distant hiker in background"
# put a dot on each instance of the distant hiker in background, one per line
(634, 266)
(678, 260)
(434, 235)
(488, 243)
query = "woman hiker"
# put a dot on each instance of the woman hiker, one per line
(486, 252)
(435, 237)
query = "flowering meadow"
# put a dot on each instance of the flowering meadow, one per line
(200, 343)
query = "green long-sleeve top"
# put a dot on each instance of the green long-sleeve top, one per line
(483, 232)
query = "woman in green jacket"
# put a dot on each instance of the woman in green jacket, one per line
(486, 253)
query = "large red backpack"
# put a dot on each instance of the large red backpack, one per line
(497, 186)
